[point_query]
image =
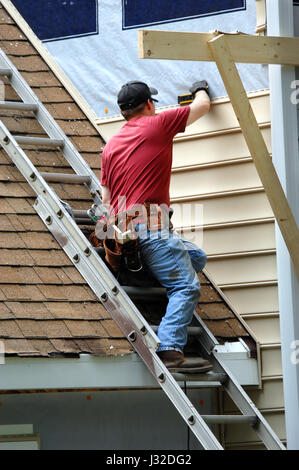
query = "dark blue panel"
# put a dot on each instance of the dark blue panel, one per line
(138, 13)
(60, 19)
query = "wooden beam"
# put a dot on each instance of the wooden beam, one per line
(220, 51)
(193, 46)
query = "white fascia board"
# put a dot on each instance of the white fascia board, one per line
(236, 356)
(88, 371)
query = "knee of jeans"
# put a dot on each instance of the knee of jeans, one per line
(203, 260)
(198, 260)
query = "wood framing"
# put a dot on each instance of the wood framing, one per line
(225, 50)
(194, 46)
(256, 144)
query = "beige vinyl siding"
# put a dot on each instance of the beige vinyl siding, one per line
(212, 179)
(223, 208)
(244, 435)
(212, 167)
(215, 189)
(258, 299)
(213, 147)
(238, 238)
(268, 329)
(270, 403)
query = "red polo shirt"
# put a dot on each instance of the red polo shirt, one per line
(137, 160)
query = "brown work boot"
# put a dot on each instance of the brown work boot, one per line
(177, 362)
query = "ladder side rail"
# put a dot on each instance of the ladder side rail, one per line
(138, 341)
(84, 248)
(131, 327)
(43, 116)
(247, 407)
(48, 207)
(207, 339)
(237, 393)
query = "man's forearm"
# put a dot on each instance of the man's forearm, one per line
(106, 196)
(199, 107)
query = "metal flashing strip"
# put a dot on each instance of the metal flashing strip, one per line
(215, 101)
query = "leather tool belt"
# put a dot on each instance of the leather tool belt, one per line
(120, 239)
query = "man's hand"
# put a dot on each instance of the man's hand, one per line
(197, 86)
(201, 103)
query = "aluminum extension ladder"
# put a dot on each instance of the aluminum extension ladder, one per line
(114, 298)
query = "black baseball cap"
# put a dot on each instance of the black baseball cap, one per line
(134, 93)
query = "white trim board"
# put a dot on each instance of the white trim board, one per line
(88, 371)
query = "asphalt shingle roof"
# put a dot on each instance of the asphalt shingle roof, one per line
(46, 307)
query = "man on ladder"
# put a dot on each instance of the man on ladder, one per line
(136, 169)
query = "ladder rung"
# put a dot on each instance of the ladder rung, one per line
(6, 72)
(191, 330)
(65, 178)
(146, 293)
(80, 213)
(204, 377)
(39, 141)
(230, 419)
(84, 221)
(18, 106)
(100, 251)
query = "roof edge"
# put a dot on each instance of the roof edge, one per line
(97, 372)
(85, 372)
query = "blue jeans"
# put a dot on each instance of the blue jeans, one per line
(175, 262)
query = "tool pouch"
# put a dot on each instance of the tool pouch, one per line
(94, 240)
(131, 255)
(113, 254)
(122, 249)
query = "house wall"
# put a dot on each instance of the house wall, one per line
(212, 167)
(101, 420)
(239, 238)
